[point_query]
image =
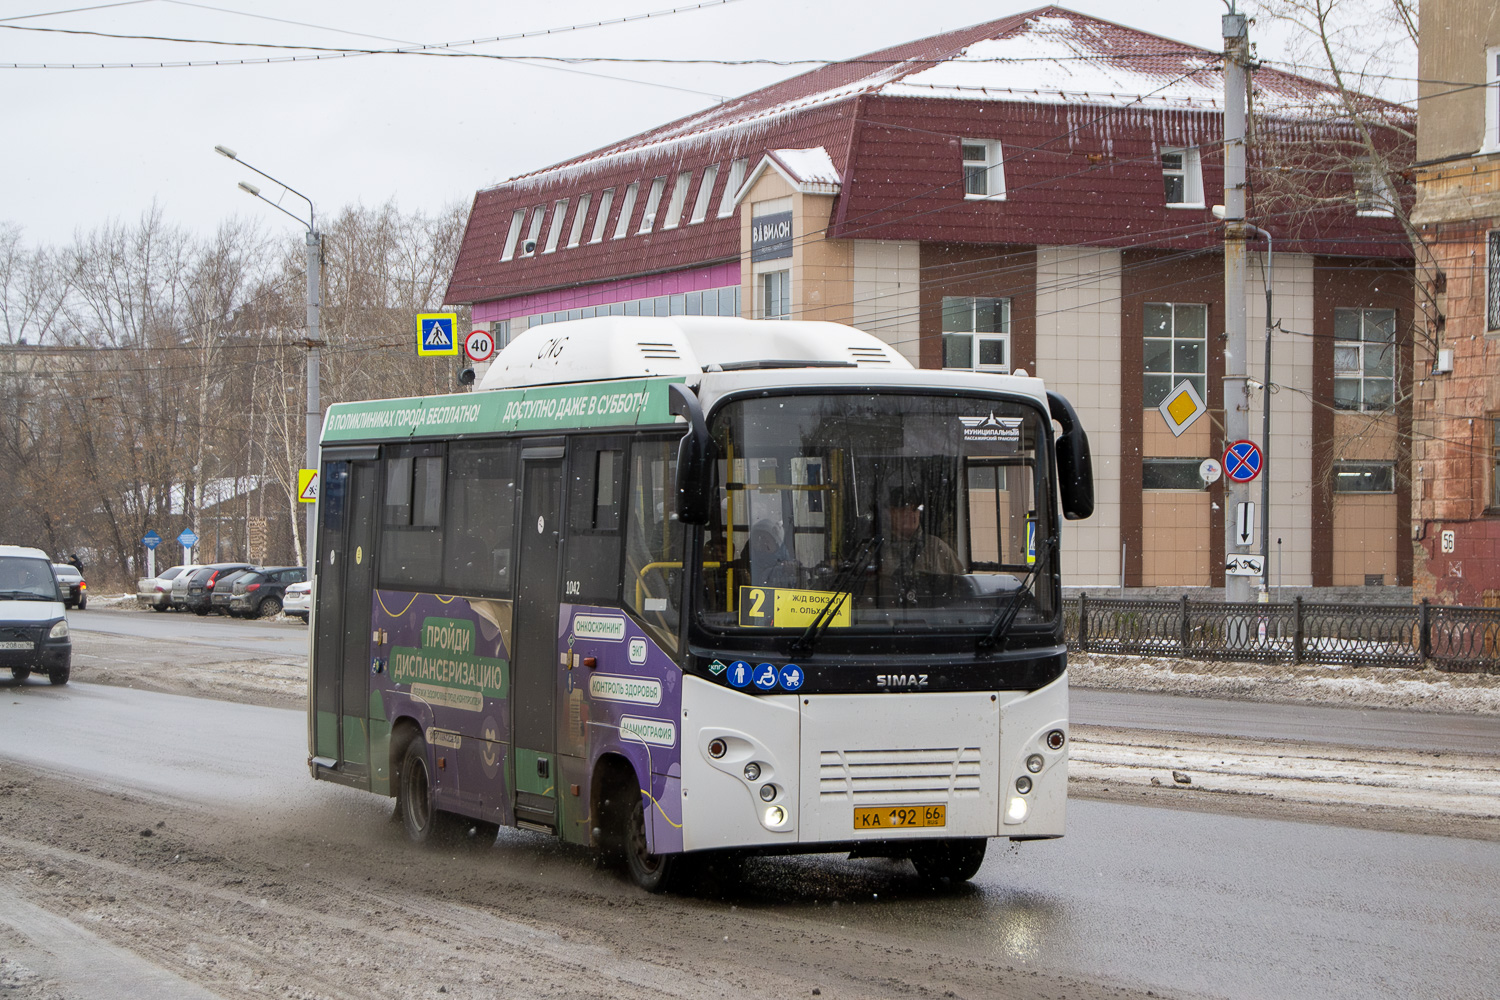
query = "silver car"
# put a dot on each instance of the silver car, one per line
(155, 592)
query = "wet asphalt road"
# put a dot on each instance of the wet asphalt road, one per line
(274, 638)
(1187, 904)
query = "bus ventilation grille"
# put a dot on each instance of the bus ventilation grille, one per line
(893, 775)
(659, 351)
(869, 356)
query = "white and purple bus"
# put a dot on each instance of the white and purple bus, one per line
(696, 587)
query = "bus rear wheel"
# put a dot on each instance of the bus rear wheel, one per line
(652, 872)
(948, 860)
(424, 823)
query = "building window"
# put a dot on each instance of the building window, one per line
(1492, 274)
(984, 170)
(1494, 426)
(1182, 176)
(678, 200)
(1176, 349)
(1364, 359)
(528, 248)
(1491, 100)
(1373, 196)
(976, 333)
(554, 232)
(732, 186)
(517, 218)
(705, 193)
(1172, 474)
(776, 295)
(627, 209)
(1364, 477)
(602, 219)
(653, 201)
(575, 236)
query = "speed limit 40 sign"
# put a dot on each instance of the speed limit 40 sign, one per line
(479, 345)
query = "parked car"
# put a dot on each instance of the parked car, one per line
(192, 591)
(70, 582)
(223, 589)
(259, 594)
(155, 592)
(33, 622)
(297, 602)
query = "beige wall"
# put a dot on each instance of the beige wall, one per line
(1175, 540)
(1364, 540)
(822, 271)
(887, 302)
(1455, 34)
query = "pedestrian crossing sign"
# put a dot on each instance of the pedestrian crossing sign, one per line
(435, 334)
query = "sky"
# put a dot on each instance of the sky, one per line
(91, 146)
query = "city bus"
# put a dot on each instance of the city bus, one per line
(690, 588)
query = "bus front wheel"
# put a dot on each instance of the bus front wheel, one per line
(948, 860)
(424, 822)
(652, 872)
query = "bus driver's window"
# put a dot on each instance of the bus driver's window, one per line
(653, 542)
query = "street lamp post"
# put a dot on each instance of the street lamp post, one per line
(314, 305)
(1265, 431)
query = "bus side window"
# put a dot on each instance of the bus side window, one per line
(411, 545)
(596, 468)
(653, 540)
(477, 550)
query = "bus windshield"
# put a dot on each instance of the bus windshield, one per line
(879, 512)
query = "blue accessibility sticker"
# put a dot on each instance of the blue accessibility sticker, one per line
(765, 676)
(792, 677)
(739, 674)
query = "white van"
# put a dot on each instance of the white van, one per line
(33, 624)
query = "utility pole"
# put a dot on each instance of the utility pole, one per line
(314, 341)
(1236, 388)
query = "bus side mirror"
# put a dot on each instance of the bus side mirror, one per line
(1075, 466)
(695, 458)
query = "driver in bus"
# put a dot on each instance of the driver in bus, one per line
(771, 562)
(909, 552)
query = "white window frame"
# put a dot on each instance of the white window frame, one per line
(732, 187)
(1491, 100)
(627, 209)
(513, 236)
(978, 337)
(559, 217)
(764, 281)
(1191, 172)
(991, 166)
(1373, 197)
(1357, 349)
(705, 194)
(535, 232)
(601, 221)
(653, 202)
(575, 235)
(1175, 339)
(678, 201)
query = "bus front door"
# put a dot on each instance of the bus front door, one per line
(344, 587)
(534, 662)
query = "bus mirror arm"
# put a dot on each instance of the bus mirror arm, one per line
(695, 457)
(1075, 466)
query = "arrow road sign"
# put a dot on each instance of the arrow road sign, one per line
(1242, 461)
(1244, 523)
(1245, 566)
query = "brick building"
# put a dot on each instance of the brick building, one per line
(1456, 448)
(1032, 193)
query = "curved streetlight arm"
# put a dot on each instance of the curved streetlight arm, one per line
(312, 215)
(255, 192)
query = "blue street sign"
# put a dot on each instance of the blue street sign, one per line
(188, 538)
(739, 674)
(1242, 461)
(792, 677)
(765, 676)
(437, 334)
(151, 540)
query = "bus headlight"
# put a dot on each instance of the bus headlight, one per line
(1023, 784)
(1034, 763)
(767, 792)
(752, 771)
(1017, 810)
(775, 815)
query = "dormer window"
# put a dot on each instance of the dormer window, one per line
(732, 186)
(678, 201)
(513, 236)
(554, 231)
(705, 193)
(528, 249)
(653, 201)
(601, 220)
(1182, 177)
(627, 209)
(575, 236)
(984, 169)
(1373, 196)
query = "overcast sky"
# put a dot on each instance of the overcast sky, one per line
(90, 145)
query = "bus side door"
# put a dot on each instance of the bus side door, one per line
(534, 662)
(343, 590)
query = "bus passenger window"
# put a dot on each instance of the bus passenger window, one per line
(481, 509)
(653, 541)
(411, 545)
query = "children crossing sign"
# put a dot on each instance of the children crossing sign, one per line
(307, 485)
(436, 334)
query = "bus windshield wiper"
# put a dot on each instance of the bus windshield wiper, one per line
(1007, 616)
(863, 553)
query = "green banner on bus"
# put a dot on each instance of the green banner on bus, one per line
(537, 408)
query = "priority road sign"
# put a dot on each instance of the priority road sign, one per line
(437, 334)
(1182, 406)
(151, 540)
(1242, 461)
(479, 345)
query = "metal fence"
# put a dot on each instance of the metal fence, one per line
(1385, 635)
